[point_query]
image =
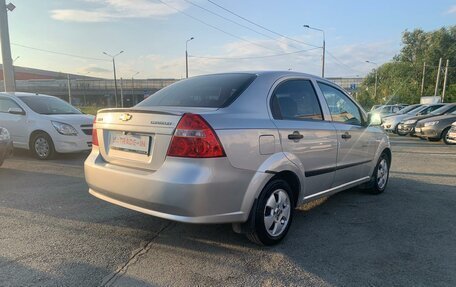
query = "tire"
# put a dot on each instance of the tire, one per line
(42, 146)
(380, 176)
(445, 136)
(273, 214)
(401, 133)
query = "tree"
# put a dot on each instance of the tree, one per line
(399, 81)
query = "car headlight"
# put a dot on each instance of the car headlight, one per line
(64, 129)
(4, 135)
(433, 123)
(410, 122)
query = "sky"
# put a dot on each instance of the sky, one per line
(70, 36)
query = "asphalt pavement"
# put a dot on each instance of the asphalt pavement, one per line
(53, 233)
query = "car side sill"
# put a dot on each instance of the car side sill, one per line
(337, 188)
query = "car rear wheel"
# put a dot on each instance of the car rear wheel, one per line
(273, 214)
(42, 146)
(445, 136)
(380, 177)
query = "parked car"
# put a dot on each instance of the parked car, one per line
(391, 123)
(436, 128)
(241, 148)
(408, 126)
(386, 110)
(374, 107)
(451, 135)
(6, 145)
(45, 124)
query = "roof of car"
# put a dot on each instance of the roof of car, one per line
(21, 94)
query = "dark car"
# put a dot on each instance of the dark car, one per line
(436, 128)
(6, 145)
(408, 125)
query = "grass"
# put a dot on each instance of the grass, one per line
(90, 110)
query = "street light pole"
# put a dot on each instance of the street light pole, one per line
(323, 48)
(114, 69)
(376, 78)
(186, 56)
(8, 70)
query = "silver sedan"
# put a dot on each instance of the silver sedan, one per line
(243, 148)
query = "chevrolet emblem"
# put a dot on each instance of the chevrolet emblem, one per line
(125, 117)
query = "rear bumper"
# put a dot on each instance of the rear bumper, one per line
(185, 190)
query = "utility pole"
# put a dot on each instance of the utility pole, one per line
(114, 69)
(445, 79)
(186, 56)
(422, 80)
(438, 78)
(8, 69)
(121, 93)
(69, 88)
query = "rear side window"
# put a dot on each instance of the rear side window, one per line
(296, 100)
(210, 91)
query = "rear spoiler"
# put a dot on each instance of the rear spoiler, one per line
(129, 110)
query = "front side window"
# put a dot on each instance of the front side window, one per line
(6, 104)
(342, 109)
(296, 100)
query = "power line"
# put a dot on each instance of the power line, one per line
(58, 53)
(342, 64)
(261, 26)
(253, 57)
(231, 21)
(213, 27)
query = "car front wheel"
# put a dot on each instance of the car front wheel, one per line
(445, 137)
(380, 177)
(42, 146)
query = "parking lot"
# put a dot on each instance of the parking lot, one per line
(53, 233)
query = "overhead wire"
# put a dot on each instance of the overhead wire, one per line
(59, 53)
(214, 27)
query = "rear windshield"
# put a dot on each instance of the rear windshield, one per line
(210, 91)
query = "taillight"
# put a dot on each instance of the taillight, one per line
(94, 133)
(195, 138)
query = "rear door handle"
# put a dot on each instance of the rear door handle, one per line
(346, 136)
(295, 136)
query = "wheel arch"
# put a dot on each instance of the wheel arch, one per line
(35, 132)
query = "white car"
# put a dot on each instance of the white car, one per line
(45, 124)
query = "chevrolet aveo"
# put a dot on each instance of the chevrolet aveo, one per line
(240, 148)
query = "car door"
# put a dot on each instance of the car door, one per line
(354, 155)
(306, 137)
(14, 123)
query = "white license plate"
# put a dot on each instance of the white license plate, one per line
(130, 142)
(417, 130)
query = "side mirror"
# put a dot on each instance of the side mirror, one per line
(16, 111)
(374, 119)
